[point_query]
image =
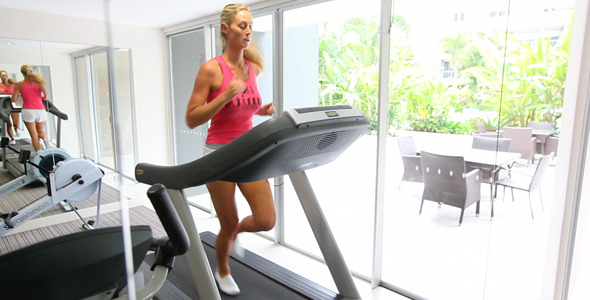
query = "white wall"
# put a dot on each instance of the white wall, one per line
(147, 50)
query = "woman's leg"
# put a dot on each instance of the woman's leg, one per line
(222, 195)
(10, 132)
(15, 120)
(259, 196)
(32, 128)
(40, 130)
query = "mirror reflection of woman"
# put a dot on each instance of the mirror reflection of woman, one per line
(6, 88)
(32, 90)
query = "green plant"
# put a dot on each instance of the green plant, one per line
(494, 72)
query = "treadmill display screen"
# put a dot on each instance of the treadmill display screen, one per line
(331, 113)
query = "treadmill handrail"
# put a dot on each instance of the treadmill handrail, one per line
(54, 110)
(6, 109)
(178, 242)
(243, 153)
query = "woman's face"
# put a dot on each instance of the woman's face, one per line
(4, 76)
(240, 30)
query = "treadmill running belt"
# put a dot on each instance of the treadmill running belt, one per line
(257, 277)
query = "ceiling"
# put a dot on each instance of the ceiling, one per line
(147, 13)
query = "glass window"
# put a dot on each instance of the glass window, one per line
(95, 101)
(332, 59)
(263, 31)
(187, 53)
(126, 158)
(102, 96)
(86, 111)
(507, 70)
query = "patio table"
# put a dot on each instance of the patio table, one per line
(489, 162)
(542, 135)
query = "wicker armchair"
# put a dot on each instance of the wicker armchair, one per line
(447, 182)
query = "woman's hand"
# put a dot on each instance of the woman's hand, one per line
(266, 110)
(235, 87)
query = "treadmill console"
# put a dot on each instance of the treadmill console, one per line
(310, 116)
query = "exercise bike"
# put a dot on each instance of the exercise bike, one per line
(71, 180)
(90, 264)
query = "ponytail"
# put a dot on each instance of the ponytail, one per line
(29, 75)
(254, 54)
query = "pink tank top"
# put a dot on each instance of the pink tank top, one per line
(235, 117)
(6, 90)
(32, 96)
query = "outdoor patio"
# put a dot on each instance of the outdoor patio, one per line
(485, 258)
(429, 254)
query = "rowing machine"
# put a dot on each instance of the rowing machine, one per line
(34, 169)
(73, 179)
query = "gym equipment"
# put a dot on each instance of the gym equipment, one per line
(73, 179)
(24, 172)
(90, 264)
(6, 108)
(29, 172)
(290, 143)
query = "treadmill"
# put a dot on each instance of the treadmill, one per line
(6, 108)
(296, 140)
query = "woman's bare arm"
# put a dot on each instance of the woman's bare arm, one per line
(209, 79)
(15, 91)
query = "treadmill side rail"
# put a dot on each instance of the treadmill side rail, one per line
(323, 235)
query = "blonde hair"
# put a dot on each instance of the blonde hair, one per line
(253, 53)
(29, 75)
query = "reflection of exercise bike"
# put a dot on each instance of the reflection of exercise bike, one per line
(73, 179)
(90, 264)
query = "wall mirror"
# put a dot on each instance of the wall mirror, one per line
(54, 62)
